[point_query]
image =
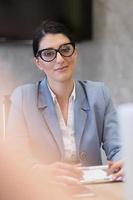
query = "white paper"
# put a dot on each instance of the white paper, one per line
(96, 174)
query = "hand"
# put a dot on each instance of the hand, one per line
(64, 169)
(116, 169)
(61, 172)
(64, 175)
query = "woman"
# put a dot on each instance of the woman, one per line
(59, 120)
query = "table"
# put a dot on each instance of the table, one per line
(107, 191)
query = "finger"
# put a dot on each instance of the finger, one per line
(65, 172)
(119, 175)
(109, 169)
(66, 165)
(109, 162)
(68, 180)
(114, 167)
(78, 165)
(72, 169)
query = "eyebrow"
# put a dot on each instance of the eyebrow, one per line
(53, 47)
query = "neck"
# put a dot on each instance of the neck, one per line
(62, 90)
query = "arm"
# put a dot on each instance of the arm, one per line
(111, 138)
(16, 129)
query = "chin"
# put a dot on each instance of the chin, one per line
(60, 78)
(65, 77)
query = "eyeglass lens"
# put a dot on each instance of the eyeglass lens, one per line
(65, 50)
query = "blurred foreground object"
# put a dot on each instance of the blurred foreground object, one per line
(17, 183)
(125, 114)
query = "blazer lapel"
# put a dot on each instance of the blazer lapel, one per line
(49, 114)
(81, 107)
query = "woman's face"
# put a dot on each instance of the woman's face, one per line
(61, 68)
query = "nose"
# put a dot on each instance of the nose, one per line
(59, 58)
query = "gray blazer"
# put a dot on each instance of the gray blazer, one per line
(34, 128)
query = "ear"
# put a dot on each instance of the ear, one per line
(37, 63)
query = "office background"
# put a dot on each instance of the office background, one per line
(107, 57)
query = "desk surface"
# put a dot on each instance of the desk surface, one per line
(107, 191)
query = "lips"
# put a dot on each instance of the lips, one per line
(61, 68)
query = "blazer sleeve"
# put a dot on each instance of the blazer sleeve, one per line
(111, 138)
(16, 129)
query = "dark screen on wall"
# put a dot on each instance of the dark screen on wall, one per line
(19, 18)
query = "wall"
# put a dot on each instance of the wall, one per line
(108, 57)
(16, 68)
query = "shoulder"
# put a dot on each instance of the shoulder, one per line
(95, 89)
(93, 85)
(23, 92)
(23, 89)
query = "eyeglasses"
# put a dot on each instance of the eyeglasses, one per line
(49, 54)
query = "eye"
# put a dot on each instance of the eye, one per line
(66, 50)
(48, 53)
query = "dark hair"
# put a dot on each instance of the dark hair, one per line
(49, 26)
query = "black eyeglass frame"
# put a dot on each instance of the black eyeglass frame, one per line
(39, 53)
